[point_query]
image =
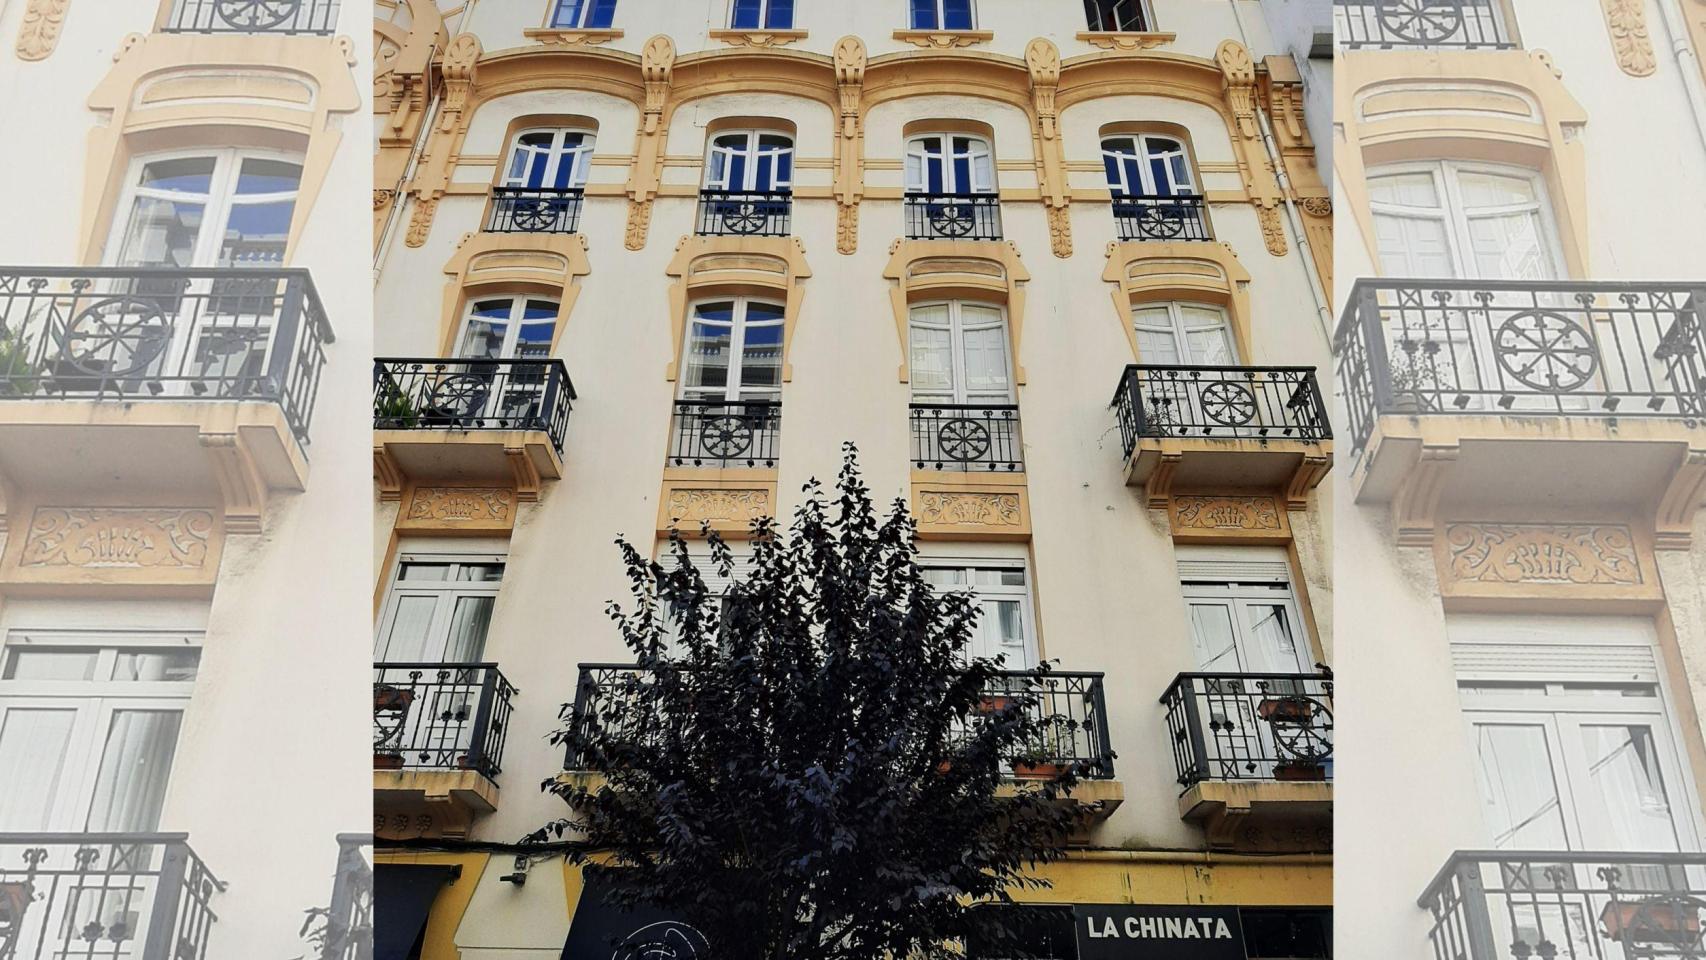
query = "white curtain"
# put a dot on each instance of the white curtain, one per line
(33, 746)
(136, 762)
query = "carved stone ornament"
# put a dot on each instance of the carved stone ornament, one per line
(1238, 75)
(38, 31)
(462, 504)
(572, 38)
(970, 509)
(1565, 554)
(850, 150)
(127, 538)
(1226, 513)
(1317, 206)
(758, 38)
(1125, 40)
(942, 39)
(1273, 231)
(1627, 21)
(718, 506)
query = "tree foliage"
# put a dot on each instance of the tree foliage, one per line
(808, 766)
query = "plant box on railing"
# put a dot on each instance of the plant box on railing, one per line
(1040, 770)
(1653, 920)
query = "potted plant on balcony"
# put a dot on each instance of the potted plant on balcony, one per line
(1673, 921)
(1300, 771)
(1287, 709)
(394, 411)
(1043, 755)
(392, 699)
(15, 897)
(18, 373)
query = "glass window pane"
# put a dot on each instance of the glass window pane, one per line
(161, 233)
(986, 362)
(761, 357)
(708, 353)
(256, 234)
(745, 15)
(1623, 773)
(268, 176)
(165, 666)
(602, 15)
(1408, 189)
(1211, 347)
(1510, 247)
(50, 665)
(956, 14)
(469, 621)
(1212, 633)
(407, 641)
(1519, 794)
(1492, 190)
(944, 576)
(483, 338)
(185, 174)
(1413, 247)
(780, 16)
(1158, 347)
(480, 572)
(534, 339)
(931, 361)
(1272, 642)
(419, 570)
(924, 15)
(568, 13)
(136, 762)
(33, 747)
(1009, 627)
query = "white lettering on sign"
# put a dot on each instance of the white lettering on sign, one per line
(1159, 928)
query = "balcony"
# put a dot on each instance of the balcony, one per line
(719, 435)
(1498, 905)
(447, 420)
(1422, 25)
(967, 437)
(1252, 750)
(438, 737)
(953, 216)
(1511, 380)
(104, 896)
(1073, 705)
(534, 210)
(1162, 218)
(348, 920)
(146, 372)
(1222, 428)
(319, 17)
(735, 213)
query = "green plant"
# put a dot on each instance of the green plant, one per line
(18, 373)
(393, 409)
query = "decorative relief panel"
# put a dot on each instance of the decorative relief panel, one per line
(1627, 21)
(125, 538)
(1573, 554)
(455, 506)
(692, 507)
(1226, 513)
(970, 509)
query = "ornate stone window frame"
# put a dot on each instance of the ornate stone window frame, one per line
(964, 269)
(491, 264)
(1157, 272)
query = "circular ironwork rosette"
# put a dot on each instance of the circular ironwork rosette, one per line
(1421, 21)
(743, 218)
(533, 214)
(725, 436)
(962, 440)
(1228, 404)
(1303, 730)
(1546, 351)
(255, 14)
(666, 940)
(117, 336)
(460, 396)
(951, 220)
(1160, 222)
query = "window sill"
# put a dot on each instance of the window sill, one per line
(944, 39)
(558, 37)
(1121, 40)
(757, 38)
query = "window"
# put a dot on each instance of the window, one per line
(224, 208)
(1193, 334)
(583, 14)
(1244, 615)
(733, 351)
(1145, 165)
(1461, 220)
(750, 161)
(508, 328)
(762, 14)
(942, 15)
(949, 164)
(88, 728)
(1002, 589)
(959, 353)
(439, 608)
(1116, 15)
(549, 159)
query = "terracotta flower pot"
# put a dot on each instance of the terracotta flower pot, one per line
(387, 761)
(15, 897)
(1299, 770)
(1045, 770)
(994, 703)
(389, 699)
(1653, 920)
(1285, 710)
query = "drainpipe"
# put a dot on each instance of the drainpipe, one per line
(1688, 62)
(1323, 302)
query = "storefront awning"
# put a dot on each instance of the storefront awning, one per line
(403, 895)
(604, 931)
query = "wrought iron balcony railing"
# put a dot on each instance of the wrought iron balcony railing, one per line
(440, 716)
(1229, 403)
(967, 436)
(718, 433)
(1422, 24)
(417, 393)
(737, 213)
(1533, 348)
(1505, 905)
(1181, 217)
(535, 210)
(151, 333)
(253, 16)
(1073, 706)
(348, 922)
(1250, 726)
(953, 216)
(104, 896)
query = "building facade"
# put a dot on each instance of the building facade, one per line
(180, 294)
(1059, 269)
(1520, 188)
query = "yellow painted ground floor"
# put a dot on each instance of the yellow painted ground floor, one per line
(485, 906)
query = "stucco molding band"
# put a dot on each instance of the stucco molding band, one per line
(201, 88)
(944, 39)
(506, 263)
(1124, 40)
(706, 266)
(726, 501)
(1575, 561)
(1227, 518)
(1630, 39)
(458, 509)
(146, 547)
(39, 29)
(1506, 106)
(960, 506)
(555, 37)
(757, 38)
(1148, 271)
(978, 269)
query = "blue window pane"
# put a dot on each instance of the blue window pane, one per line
(568, 13)
(957, 13)
(760, 337)
(267, 176)
(962, 174)
(781, 16)
(721, 310)
(1158, 170)
(933, 175)
(784, 168)
(539, 310)
(737, 171)
(1134, 183)
(746, 13)
(602, 14)
(924, 15)
(1112, 167)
